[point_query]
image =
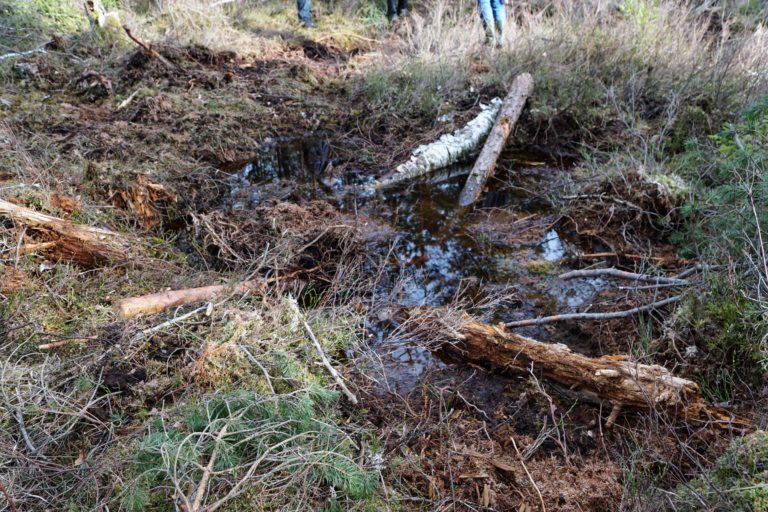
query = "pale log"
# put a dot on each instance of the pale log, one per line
(86, 245)
(505, 124)
(161, 301)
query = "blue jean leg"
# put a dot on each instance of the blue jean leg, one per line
(492, 12)
(305, 10)
(499, 14)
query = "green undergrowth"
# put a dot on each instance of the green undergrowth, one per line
(25, 24)
(285, 449)
(738, 480)
(275, 430)
(723, 225)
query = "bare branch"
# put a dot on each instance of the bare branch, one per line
(593, 316)
(621, 274)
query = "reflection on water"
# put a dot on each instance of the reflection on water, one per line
(552, 247)
(277, 168)
(436, 251)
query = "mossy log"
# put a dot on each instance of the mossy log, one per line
(66, 241)
(615, 381)
(502, 129)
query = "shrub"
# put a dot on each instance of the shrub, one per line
(738, 481)
(278, 449)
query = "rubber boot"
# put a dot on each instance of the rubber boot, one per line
(490, 38)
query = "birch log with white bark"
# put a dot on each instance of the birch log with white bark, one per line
(449, 149)
(505, 124)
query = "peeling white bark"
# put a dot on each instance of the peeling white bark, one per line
(449, 149)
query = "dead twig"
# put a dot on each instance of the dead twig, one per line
(603, 197)
(636, 257)
(13, 55)
(200, 494)
(594, 316)
(172, 321)
(64, 342)
(334, 373)
(11, 503)
(25, 435)
(530, 478)
(148, 49)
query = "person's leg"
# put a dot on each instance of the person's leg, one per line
(486, 15)
(391, 9)
(305, 12)
(499, 15)
(402, 6)
(500, 20)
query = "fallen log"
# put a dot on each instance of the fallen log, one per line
(505, 123)
(449, 149)
(616, 381)
(161, 301)
(86, 245)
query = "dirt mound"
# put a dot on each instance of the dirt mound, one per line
(193, 65)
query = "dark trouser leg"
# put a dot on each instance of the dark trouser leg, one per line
(396, 8)
(391, 8)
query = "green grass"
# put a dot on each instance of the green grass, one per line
(25, 24)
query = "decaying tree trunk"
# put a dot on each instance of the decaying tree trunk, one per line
(505, 124)
(161, 301)
(86, 245)
(449, 149)
(615, 381)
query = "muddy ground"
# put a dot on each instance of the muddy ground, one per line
(200, 153)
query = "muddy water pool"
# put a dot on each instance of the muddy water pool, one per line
(510, 247)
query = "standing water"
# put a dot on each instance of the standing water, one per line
(509, 246)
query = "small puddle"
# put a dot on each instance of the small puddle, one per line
(508, 246)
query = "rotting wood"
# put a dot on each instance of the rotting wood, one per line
(485, 164)
(86, 245)
(449, 149)
(142, 199)
(611, 380)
